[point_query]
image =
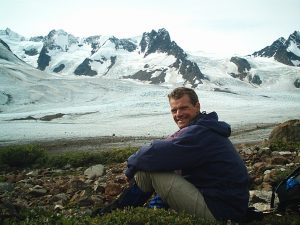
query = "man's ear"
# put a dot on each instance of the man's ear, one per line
(198, 105)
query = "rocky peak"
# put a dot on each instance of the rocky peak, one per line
(289, 53)
(242, 64)
(155, 42)
(125, 44)
(60, 39)
(160, 42)
(11, 35)
(52, 33)
(271, 50)
(37, 38)
(284, 51)
(57, 40)
(244, 67)
(92, 39)
(294, 37)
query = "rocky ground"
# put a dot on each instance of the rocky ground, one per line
(72, 191)
(67, 190)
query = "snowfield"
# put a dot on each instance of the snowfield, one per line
(35, 105)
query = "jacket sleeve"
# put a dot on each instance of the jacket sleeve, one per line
(166, 155)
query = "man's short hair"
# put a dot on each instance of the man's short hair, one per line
(179, 92)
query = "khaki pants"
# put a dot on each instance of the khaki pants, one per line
(176, 191)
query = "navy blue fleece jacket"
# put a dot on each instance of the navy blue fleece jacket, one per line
(206, 158)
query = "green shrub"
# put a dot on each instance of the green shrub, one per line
(285, 146)
(119, 155)
(281, 175)
(2, 179)
(77, 159)
(36, 216)
(32, 155)
(131, 216)
(141, 216)
(276, 219)
(22, 155)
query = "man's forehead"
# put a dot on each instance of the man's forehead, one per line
(184, 99)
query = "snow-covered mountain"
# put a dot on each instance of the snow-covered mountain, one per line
(284, 51)
(151, 57)
(36, 104)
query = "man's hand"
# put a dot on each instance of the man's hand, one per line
(130, 181)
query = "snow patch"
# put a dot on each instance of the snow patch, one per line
(294, 49)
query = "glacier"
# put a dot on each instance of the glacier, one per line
(40, 105)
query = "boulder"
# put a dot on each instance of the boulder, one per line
(288, 131)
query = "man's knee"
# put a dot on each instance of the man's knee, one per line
(154, 181)
(143, 180)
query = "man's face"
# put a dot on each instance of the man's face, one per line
(183, 111)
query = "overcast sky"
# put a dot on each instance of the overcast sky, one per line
(225, 27)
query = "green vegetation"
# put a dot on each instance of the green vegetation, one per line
(34, 156)
(275, 219)
(130, 216)
(281, 175)
(22, 156)
(141, 216)
(2, 179)
(77, 159)
(285, 146)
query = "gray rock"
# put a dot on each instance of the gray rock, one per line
(286, 132)
(61, 196)
(6, 187)
(94, 171)
(261, 199)
(37, 191)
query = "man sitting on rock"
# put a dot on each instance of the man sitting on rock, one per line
(196, 170)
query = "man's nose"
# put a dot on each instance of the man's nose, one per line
(179, 113)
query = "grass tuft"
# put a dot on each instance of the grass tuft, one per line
(34, 156)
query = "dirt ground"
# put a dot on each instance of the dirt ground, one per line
(245, 135)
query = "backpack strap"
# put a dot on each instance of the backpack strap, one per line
(296, 171)
(273, 196)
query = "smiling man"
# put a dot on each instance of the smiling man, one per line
(185, 107)
(196, 170)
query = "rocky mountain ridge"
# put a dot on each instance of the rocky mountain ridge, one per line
(152, 58)
(63, 53)
(284, 51)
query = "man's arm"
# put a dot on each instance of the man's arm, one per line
(167, 155)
